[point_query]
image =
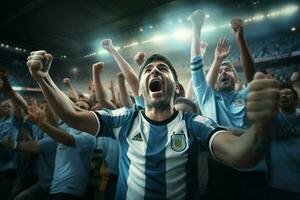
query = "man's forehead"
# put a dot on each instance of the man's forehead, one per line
(157, 62)
(225, 67)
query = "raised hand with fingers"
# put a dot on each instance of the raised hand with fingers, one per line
(108, 45)
(222, 49)
(39, 63)
(262, 99)
(37, 115)
(237, 28)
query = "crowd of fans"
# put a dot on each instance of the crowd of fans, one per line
(134, 145)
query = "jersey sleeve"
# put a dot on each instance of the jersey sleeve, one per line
(202, 89)
(204, 130)
(85, 141)
(109, 121)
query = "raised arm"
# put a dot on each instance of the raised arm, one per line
(128, 72)
(295, 78)
(124, 98)
(99, 89)
(113, 94)
(221, 52)
(262, 106)
(39, 63)
(38, 116)
(246, 58)
(6, 88)
(71, 88)
(197, 18)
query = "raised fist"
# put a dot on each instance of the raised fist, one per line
(295, 76)
(107, 45)
(222, 49)
(237, 27)
(37, 115)
(120, 76)
(197, 18)
(139, 58)
(5, 84)
(66, 81)
(39, 63)
(98, 67)
(262, 99)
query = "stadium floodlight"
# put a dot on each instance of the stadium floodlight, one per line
(2, 45)
(7, 46)
(207, 16)
(259, 17)
(182, 34)
(293, 29)
(290, 9)
(141, 29)
(209, 28)
(158, 38)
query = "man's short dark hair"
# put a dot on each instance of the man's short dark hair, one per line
(157, 57)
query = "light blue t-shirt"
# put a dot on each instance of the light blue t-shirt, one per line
(9, 127)
(157, 159)
(226, 108)
(72, 164)
(284, 158)
(110, 150)
(46, 159)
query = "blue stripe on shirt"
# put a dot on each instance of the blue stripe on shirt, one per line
(155, 166)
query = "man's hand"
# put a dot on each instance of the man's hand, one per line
(222, 49)
(66, 81)
(108, 45)
(98, 67)
(197, 18)
(237, 28)
(139, 58)
(120, 77)
(39, 63)
(37, 115)
(203, 47)
(7, 142)
(5, 85)
(262, 99)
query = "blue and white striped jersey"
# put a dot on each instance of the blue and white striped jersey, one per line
(157, 159)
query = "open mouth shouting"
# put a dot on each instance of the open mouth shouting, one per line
(155, 87)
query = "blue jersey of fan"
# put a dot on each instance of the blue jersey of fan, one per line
(157, 159)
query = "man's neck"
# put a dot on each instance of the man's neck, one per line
(289, 111)
(158, 114)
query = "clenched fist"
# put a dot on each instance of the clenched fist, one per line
(262, 99)
(66, 81)
(107, 45)
(237, 27)
(39, 63)
(139, 58)
(197, 18)
(98, 67)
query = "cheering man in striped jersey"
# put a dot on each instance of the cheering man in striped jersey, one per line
(158, 144)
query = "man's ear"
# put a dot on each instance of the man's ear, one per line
(177, 90)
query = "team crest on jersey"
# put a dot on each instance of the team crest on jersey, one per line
(178, 142)
(239, 102)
